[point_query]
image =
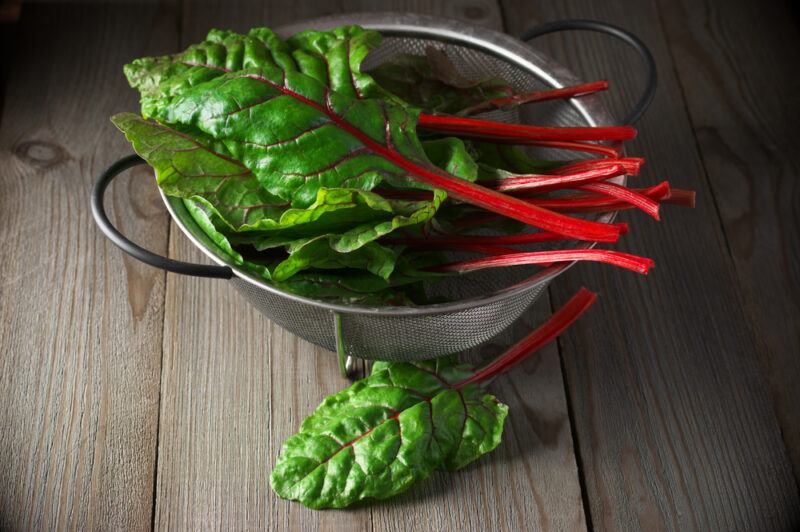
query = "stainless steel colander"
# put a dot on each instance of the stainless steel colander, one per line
(483, 304)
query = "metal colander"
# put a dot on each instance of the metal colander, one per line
(482, 304)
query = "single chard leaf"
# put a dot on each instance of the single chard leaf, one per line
(232, 195)
(187, 167)
(354, 287)
(200, 215)
(297, 136)
(376, 438)
(319, 252)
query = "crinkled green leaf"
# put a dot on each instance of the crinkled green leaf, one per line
(195, 208)
(294, 132)
(188, 168)
(316, 252)
(451, 155)
(355, 287)
(387, 431)
(319, 252)
(405, 214)
(334, 58)
(433, 83)
(158, 79)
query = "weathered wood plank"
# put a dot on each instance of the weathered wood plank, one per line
(735, 65)
(80, 327)
(672, 414)
(234, 387)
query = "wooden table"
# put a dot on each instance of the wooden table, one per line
(131, 399)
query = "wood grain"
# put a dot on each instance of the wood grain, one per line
(234, 387)
(673, 417)
(80, 328)
(734, 66)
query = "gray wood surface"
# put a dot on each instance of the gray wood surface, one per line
(134, 400)
(673, 418)
(742, 101)
(80, 327)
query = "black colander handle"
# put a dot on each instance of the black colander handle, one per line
(627, 37)
(135, 251)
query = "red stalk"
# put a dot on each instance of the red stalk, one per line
(580, 202)
(684, 198)
(455, 240)
(623, 260)
(586, 147)
(544, 334)
(632, 165)
(543, 182)
(495, 240)
(590, 203)
(503, 130)
(637, 199)
(538, 96)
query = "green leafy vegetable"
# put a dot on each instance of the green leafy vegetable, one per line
(394, 428)
(296, 161)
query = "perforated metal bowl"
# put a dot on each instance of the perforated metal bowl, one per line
(483, 304)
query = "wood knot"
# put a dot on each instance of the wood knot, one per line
(40, 153)
(474, 12)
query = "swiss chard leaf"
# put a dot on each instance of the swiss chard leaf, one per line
(320, 252)
(232, 196)
(204, 220)
(385, 432)
(331, 57)
(297, 136)
(305, 253)
(356, 287)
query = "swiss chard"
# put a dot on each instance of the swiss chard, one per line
(376, 438)
(297, 135)
(297, 162)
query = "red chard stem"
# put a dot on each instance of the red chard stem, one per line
(632, 165)
(538, 96)
(543, 183)
(544, 334)
(503, 130)
(637, 199)
(616, 258)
